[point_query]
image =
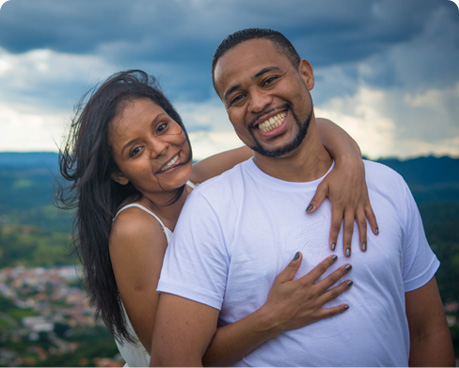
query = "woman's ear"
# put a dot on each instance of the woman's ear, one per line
(119, 178)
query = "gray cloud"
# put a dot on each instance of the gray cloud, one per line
(177, 38)
(331, 31)
(52, 51)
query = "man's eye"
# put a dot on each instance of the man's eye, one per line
(236, 99)
(269, 80)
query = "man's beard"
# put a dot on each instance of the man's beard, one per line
(302, 131)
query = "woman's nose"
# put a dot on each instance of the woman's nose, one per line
(158, 146)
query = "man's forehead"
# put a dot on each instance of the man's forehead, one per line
(250, 46)
(249, 53)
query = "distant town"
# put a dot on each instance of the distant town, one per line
(48, 305)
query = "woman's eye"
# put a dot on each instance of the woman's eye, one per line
(135, 151)
(161, 127)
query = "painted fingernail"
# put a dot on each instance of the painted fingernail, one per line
(349, 283)
(333, 246)
(364, 246)
(348, 252)
(348, 267)
(310, 207)
(377, 231)
(334, 257)
(346, 307)
(297, 255)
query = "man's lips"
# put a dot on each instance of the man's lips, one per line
(272, 123)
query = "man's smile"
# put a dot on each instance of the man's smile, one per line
(272, 123)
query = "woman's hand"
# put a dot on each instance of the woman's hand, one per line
(292, 304)
(346, 188)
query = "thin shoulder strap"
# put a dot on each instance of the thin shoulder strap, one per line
(142, 208)
(190, 184)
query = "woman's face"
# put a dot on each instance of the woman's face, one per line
(150, 148)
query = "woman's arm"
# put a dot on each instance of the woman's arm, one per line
(218, 163)
(137, 262)
(346, 188)
(291, 304)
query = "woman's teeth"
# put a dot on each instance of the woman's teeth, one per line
(170, 163)
(272, 122)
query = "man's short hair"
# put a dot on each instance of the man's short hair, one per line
(282, 44)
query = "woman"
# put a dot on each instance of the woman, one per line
(129, 160)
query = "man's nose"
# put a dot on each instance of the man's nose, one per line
(259, 100)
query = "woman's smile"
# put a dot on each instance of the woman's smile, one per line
(171, 164)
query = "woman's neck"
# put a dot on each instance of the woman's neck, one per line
(167, 212)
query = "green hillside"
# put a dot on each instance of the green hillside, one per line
(30, 225)
(34, 233)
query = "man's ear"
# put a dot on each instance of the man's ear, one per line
(119, 178)
(306, 72)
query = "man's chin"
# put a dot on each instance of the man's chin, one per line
(275, 152)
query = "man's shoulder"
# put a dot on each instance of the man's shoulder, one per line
(385, 181)
(219, 195)
(376, 170)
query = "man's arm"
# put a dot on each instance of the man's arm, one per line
(430, 340)
(182, 332)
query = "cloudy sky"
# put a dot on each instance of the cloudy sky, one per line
(387, 71)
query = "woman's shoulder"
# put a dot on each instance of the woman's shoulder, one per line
(134, 225)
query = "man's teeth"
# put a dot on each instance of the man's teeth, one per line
(272, 123)
(170, 163)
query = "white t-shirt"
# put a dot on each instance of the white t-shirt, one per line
(238, 231)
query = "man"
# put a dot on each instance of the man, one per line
(238, 231)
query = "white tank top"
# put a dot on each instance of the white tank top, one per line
(167, 232)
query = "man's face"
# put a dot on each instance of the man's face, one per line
(267, 99)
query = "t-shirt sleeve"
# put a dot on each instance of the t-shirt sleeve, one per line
(419, 261)
(196, 262)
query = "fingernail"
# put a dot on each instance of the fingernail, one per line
(310, 207)
(364, 246)
(333, 246)
(297, 255)
(349, 283)
(377, 231)
(348, 267)
(334, 257)
(348, 252)
(346, 307)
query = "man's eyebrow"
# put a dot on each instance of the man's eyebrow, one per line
(266, 70)
(230, 90)
(260, 73)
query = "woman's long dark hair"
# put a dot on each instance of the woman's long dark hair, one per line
(86, 162)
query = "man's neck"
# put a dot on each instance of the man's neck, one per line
(310, 161)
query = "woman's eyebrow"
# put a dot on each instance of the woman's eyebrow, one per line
(157, 117)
